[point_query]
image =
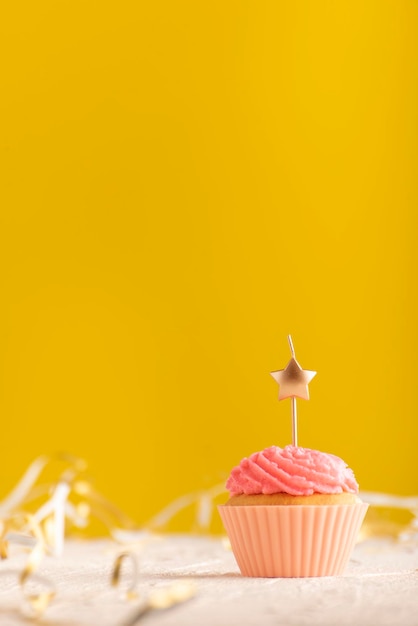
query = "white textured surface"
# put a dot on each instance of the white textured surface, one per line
(379, 587)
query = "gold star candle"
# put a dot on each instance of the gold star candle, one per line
(293, 383)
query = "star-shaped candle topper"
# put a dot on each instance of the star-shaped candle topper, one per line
(293, 382)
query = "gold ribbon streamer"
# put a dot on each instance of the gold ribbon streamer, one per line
(23, 529)
(162, 599)
(38, 601)
(130, 593)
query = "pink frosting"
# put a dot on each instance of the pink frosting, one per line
(293, 470)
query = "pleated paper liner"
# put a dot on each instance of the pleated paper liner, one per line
(292, 541)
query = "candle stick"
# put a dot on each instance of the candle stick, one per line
(294, 422)
(293, 383)
(293, 403)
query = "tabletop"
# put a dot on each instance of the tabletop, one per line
(379, 586)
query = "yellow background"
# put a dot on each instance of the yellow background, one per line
(183, 184)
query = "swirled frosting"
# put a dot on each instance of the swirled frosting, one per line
(293, 470)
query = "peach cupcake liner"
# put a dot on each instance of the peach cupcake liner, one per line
(294, 540)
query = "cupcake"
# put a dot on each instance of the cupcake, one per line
(292, 512)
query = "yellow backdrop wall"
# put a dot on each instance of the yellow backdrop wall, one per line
(183, 184)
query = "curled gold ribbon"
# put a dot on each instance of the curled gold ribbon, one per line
(39, 600)
(162, 599)
(131, 592)
(23, 529)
